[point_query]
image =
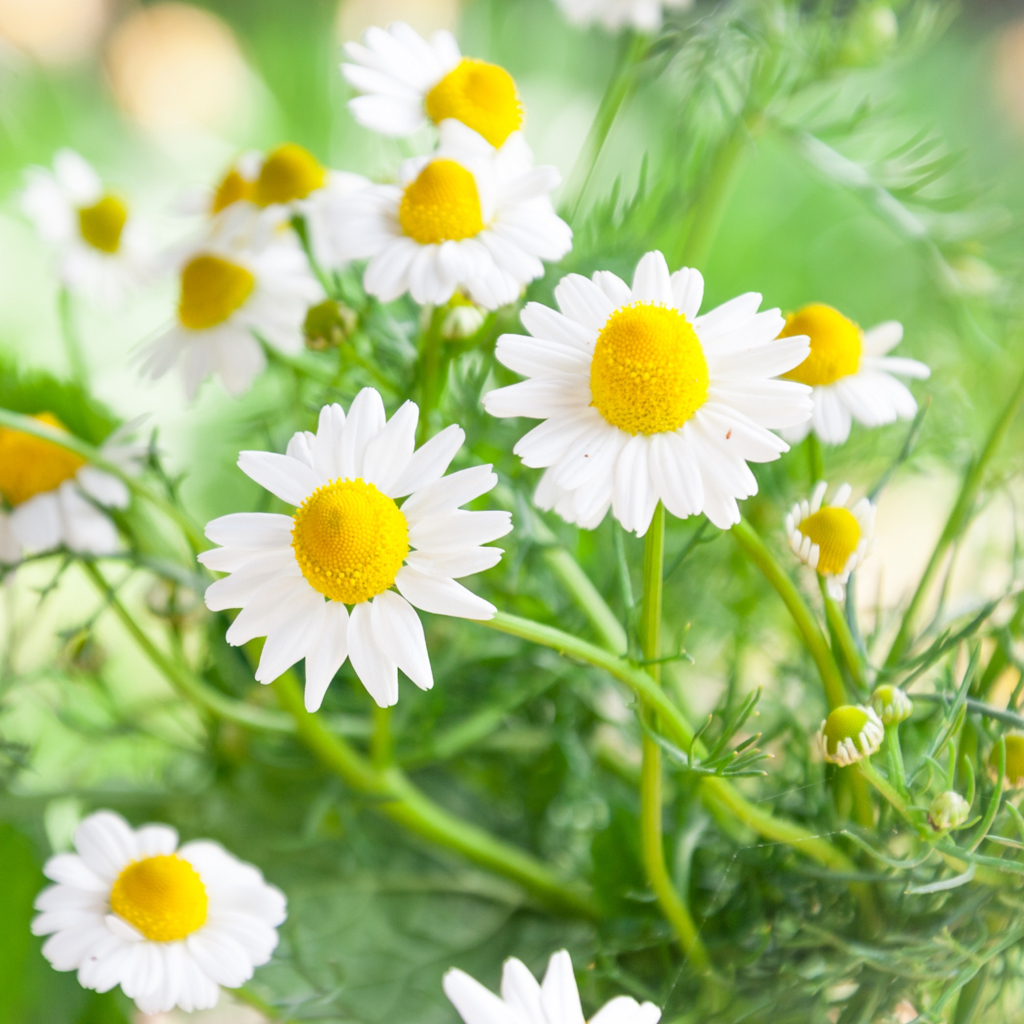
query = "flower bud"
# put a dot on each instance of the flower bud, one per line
(948, 810)
(850, 733)
(891, 704)
(463, 319)
(328, 324)
(1014, 777)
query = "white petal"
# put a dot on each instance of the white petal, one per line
(441, 596)
(288, 640)
(882, 338)
(106, 843)
(583, 301)
(476, 1004)
(454, 562)
(624, 1010)
(448, 493)
(398, 630)
(376, 671)
(429, 462)
(651, 282)
(366, 419)
(250, 530)
(327, 655)
(559, 994)
(520, 989)
(290, 480)
(388, 454)
(688, 291)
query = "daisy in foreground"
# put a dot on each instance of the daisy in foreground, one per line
(407, 81)
(645, 400)
(168, 924)
(468, 217)
(643, 15)
(54, 494)
(852, 377)
(832, 539)
(555, 1001)
(231, 297)
(348, 543)
(101, 249)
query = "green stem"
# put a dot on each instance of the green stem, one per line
(652, 839)
(815, 461)
(395, 796)
(747, 538)
(301, 229)
(868, 771)
(959, 517)
(69, 335)
(895, 754)
(842, 638)
(381, 744)
(429, 371)
(620, 85)
(679, 731)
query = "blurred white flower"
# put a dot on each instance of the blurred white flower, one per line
(101, 249)
(407, 81)
(643, 15)
(643, 400)
(850, 373)
(53, 494)
(168, 923)
(349, 542)
(523, 1001)
(469, 217)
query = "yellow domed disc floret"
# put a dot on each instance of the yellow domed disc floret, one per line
(101, 224)
(648, 374)
(480, 95)
(441, 205)
(212, 288)
(835, 345)
(232, 189)
(837, 534)
(162, 897)
(850, 732)
(350, 540)
(288, 173)
(30, 465)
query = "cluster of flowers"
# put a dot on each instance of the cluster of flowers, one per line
(642, 399)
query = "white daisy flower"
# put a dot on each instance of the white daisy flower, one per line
(555, 1001)
(849, 734)
(645, 400)
(468, 217)
(643, 15)
(168, 924)
(102, 250)
(407, 81)
(850, 373)
(349, 542)
(832, 539)
(237, 287)
(54, 495)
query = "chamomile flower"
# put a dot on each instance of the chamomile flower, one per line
(101, 249)
(645, 400)
(643, 15)
(832, 539)
(349, 543)
(407, 81)
(852, 377)
(523, 1001)
(948, 810)
(235, 289)
(170, 924)
(850, 733)
(469, 217)
(55, 497)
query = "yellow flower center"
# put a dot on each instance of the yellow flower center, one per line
(441, 205)
(30, 466)
(212, 288)
(162, 897)
(350, 540)
(837, 534)
(835, 345)
(101, 224)
(289, 172)
(648, 374)
(232, 188)
(481, 96)
(845, 723)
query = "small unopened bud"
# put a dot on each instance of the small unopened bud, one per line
(328, 324)
(1014, 777)
(850, 733)
(463, 319)
(892, 705)
(948, 810)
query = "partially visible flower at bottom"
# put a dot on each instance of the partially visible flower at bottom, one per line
(168, 923)
(850, 733)
(54, 494)
(831, 539)
(556, 1000)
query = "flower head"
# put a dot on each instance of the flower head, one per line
(645, 400)
(850, 373)
(556, 1000)
(892, 704)
(349, 543)
(643, 15)
(54, 495)
(101, 248)
(407, 81)
(850, 732)
(948, 810)
(468, 218)
(168, 923)
(832, 539)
